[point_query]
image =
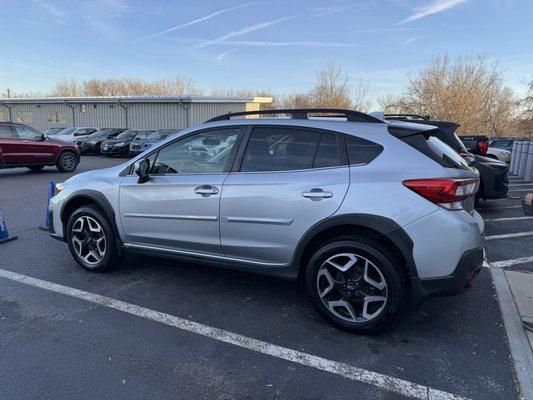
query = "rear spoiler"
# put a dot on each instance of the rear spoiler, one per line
(404, 129)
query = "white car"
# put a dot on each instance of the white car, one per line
(499, 154)
(72, 133)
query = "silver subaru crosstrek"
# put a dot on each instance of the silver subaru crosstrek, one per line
(367, 213)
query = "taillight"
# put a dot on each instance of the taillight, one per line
(447, 193)
(482, 147)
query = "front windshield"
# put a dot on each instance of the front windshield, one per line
(66, 131)
(129, 134)
(99, 134)
(143, 135)
(155, 136)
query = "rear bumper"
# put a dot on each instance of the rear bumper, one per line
(457, 282)
(115, 150)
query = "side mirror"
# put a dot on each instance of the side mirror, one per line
(41, 137)
(143, 171)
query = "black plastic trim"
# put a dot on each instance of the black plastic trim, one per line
(457, 282)
(103, 203)
(385, 226)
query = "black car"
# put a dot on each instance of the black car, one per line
(494, 181)
(120, 145)
(91, 144)
(138, 146)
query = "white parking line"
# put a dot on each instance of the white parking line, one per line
(521, 190)
(507, 219)
(509, 235)
(389, 383)
(509, 263)
(520, 184)
(498, 208)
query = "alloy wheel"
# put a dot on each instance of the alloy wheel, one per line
(69, 162)
(352, 287)
(88, 240)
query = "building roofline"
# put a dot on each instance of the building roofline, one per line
(135, 99)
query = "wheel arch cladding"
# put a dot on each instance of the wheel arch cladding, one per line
(380, 228)
(87, 197)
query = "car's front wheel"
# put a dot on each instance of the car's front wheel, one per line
(357, 284)
(67, 162)
(91, 239)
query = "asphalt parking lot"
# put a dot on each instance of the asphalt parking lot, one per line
(54, 344)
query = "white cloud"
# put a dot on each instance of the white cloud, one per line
(197, 20)
(223, 55)
(248, 29)
(284, 44)
(52, 10)
(410, 41)
(433, 7)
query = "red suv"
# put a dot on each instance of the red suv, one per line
(23, 146)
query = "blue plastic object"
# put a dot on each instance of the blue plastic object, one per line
(4, 233)
(51, 191)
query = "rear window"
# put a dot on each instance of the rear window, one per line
(361, 151)
(5, 131)
(446, 153)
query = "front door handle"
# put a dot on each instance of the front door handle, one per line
(26, 141)
(206, 190)
(317, 193)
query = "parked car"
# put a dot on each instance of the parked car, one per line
(499, 154)
(23, 146)
(73, 133)
(91, 144)
(494, 174)
(476, 144)
(333, 203)
(505, 144)
(138, 146)
(52, 131)
(121, 144)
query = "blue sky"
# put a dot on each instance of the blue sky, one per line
(272, 45)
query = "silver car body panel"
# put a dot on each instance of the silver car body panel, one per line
(258, 218)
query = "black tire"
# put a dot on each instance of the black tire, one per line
(35, 167)
(479, 194)
(111, 256)
(391, 271)
(67, 161)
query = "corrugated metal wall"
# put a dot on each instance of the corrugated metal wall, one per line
(112, 115)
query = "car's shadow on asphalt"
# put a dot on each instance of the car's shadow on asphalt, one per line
(226, 298)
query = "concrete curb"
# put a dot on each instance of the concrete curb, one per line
(518, 341)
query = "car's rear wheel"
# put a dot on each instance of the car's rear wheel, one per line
(35, 167)
(67, 162)
(357, 284)
(91, 239)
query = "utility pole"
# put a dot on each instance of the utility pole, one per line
(8, 93)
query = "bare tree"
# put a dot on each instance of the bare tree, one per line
(468, 90)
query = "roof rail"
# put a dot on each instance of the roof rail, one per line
(303, 113)
(407, 116)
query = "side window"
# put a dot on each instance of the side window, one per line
(361, 151)
(26, 133)
(280, 149)
(328, 154)
(203, 153)
(5, 131)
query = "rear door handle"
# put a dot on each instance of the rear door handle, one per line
(26, 141)
(317, 193)
(206, 190)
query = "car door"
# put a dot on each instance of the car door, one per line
(9, 146)
(288, 180)
(34, 149)
(177, 209)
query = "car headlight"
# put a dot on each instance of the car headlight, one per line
(120, 144)
(59, 187)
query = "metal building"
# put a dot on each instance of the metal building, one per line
(123, 112)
